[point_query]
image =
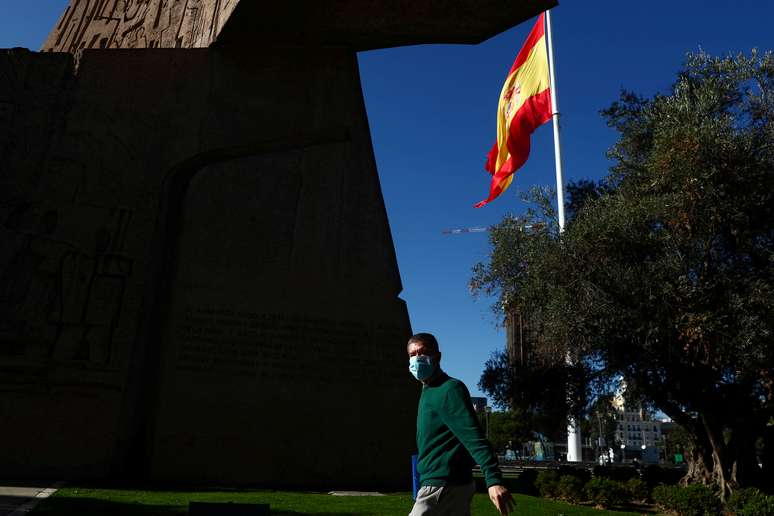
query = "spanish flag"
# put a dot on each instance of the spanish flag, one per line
(525, 104)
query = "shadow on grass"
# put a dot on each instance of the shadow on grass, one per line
(64, 506)
(121, 485)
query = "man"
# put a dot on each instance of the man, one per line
(449, 439)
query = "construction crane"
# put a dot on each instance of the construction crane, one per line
(457, 231)
(481, 229)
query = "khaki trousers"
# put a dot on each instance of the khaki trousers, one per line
(444, 501)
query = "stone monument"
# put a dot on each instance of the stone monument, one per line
(197, 278)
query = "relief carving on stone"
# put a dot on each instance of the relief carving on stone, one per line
(89, 24)
(61, 294)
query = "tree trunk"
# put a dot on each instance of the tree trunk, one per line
(698, 454)
(734, 462)
(767, 459)
(742, 459)
(713, 462)
(699, 460)
(721, 466)
(723, 458)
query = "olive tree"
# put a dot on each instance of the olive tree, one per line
(664, 278)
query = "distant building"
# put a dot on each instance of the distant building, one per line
(636, 429)
(667, 427)
(479, 404)
(520, 336)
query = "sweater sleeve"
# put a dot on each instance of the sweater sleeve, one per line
(458, 414)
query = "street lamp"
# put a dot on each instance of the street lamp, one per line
(600, 439)
(642, 455)
(623, 452)
(487, 410)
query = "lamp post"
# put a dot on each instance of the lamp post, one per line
(642, 454)
(487, 410)
(623, 452)
(600, 441)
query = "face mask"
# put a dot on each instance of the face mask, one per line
(421, 366)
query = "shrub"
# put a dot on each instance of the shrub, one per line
(580, 473)
(570, 488)
(623, 473)
(547, 483)
(664, 496)
(638, 489)
(601, 471)
(525, 483)
(750, 502)
(620, 473)
(605, 492)
(655, 475)
(693, 500)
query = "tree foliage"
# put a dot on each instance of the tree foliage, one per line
(664, 277)
(601, 423)
(535, 394)
(507, 428)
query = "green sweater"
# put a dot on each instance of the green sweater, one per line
(449, 437)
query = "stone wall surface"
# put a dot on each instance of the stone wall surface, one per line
(203, 270)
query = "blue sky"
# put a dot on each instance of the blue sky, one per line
(431, 109)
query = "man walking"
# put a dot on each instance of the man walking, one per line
(449, 439)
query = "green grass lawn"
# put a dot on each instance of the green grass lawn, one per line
(76, 501)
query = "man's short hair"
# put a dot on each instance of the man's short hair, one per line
(428, 339)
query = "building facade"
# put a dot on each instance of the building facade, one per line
(637, 435)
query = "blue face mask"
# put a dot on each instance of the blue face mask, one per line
(421, 366)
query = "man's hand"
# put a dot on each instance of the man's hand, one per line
(501, 499)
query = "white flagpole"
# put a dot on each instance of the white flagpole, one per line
(574, 451)
(555, 116)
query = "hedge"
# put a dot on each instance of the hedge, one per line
(750, 502)
(693, 500)
(605, 492)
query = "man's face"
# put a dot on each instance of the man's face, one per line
(423, 361)
(417, 349)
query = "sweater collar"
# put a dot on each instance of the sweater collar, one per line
(437, 379)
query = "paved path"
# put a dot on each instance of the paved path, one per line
(17, 498)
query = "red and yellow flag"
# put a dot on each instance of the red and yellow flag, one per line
(525, 104)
